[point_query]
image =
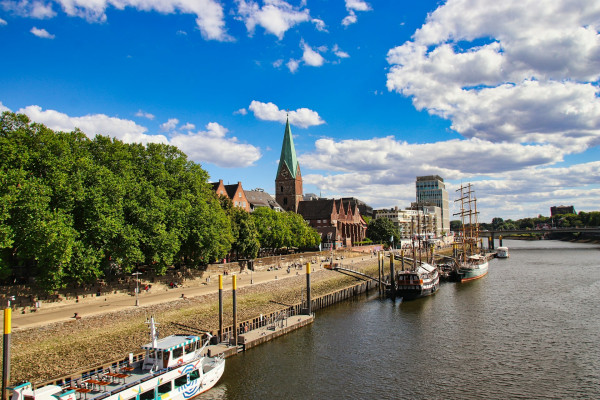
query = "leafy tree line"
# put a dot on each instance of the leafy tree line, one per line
(582, 219)
(75, 210)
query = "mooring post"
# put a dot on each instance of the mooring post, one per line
(402, 258)
(379, 271)
(6, 354)
(220, 308)
(392, 276)
(308, 299)
(500, 241)
(235, 327)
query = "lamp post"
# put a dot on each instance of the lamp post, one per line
(137, 287)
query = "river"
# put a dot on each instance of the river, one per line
(528, 330)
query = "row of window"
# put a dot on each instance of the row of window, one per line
(169, 386)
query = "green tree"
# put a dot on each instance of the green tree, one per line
(381, 230)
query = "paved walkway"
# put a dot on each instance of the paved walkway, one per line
(114, 302)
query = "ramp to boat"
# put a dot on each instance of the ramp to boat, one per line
(356, 274)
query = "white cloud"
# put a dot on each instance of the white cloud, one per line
(241, 111)
(516, 71)
(30, 9)
(352, 6)
(349, 19)
(311, 57)
(302, 117)
(209, 13)
(41, 33)
(170, 125)
(340, 53)
(144, 114)
(511, 180)
(3, 108)
(188, 127)
(293, 65)
(3, 22)
(92, 125)
(214, 147)
(275, 16)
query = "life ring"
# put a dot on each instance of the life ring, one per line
(179, 362)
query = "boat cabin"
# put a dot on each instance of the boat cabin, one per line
(171, 351)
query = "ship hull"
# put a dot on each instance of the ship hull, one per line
(472, 272)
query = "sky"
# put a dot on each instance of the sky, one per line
(502, 94)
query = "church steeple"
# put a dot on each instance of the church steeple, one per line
(288, 183)
(288, 152)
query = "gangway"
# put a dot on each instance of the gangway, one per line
(361, 275)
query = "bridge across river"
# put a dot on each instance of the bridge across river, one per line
(506, 233)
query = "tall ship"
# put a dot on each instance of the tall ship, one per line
(470, 264)
(422, 278)
(173, 368)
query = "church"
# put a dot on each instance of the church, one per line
(339, 223)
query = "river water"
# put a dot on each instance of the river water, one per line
(528, 330)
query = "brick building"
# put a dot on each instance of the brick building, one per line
(288, 183)
(234, 192)
(338, 223)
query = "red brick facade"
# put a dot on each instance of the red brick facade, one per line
(234, 192)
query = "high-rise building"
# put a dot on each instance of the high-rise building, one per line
(288, 183)
(431, 190)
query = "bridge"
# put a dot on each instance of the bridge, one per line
(493, 234)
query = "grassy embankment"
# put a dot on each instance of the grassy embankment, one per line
(40, 354)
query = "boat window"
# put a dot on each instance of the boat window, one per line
(165, 355)
(178, 352)
(165, 388)
(151, 354)
(189, 347)
(195, 374)
(147, 395)
(181, 381)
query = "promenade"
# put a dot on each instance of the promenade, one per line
(93, 305)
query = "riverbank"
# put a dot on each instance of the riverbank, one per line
(45, 352)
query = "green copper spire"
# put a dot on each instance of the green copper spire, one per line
(288, 152)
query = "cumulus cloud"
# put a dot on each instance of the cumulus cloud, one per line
(170, 125)
(293, 65)
(41, 33)
(311, 57)
(519, 71)
(352, 6)
(512, 180)
(143, 114)
(241, 111)
(275, 16)
(3, 22)
(302, 117)
(209, 13)
(339, 52)
(214, 147)
(3, 108)
(92, 125)
(188, 127)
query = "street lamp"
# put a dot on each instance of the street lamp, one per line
(137, 287)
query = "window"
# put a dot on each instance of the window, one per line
(165, 388)
(281, 189)
(181, 381)
(285, 201)
(148, 395)
(240, 195)
(195, 374)
(178, 352)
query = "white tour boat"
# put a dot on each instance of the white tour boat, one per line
(174, 368)
(502, 252)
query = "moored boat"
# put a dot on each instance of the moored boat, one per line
(502, 252)
(423, 281)
(174, 368)
(475, 266)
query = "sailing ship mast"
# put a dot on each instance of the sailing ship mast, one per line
(468, 211)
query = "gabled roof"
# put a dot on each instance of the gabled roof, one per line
(258, 198)
(288, 152)
(317, 209)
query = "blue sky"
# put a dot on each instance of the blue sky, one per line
(501, 94)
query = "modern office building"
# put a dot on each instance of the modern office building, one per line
(431, 191)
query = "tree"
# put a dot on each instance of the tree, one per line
(245, 244)
(381, 230)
